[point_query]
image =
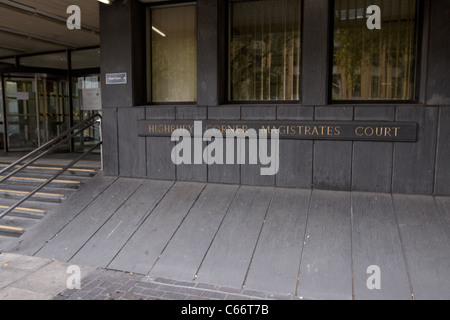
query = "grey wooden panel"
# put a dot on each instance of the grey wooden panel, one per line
(333, 159)
(116, 54)
(251, 173)
(442, 184)
(259, 113)
(160, 113)
(326, 265)
(194, 172)
(295, 113)
(207, 53)
(426, 245)
(296, 164)
(226, 173)
(145, 246)
(132, 162)
(100, 250)
(315, 53)
(380, 113)
(184, 253)
(276, 261)
(227, 260)
(34, 239)
(110, 142)
(376, 241)
(332, 165)
(438, 75)
(159, 159)
(224, 113)
(372, 166)
(372, 161)
(334, 113)
(70, 239)
(414, 163)
(191, 113)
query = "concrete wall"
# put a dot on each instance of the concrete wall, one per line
(422, 167)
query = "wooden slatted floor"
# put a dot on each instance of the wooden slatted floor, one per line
(313, 244)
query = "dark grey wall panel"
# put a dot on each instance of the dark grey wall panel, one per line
(132, 149)
(258, 113)
(191, 113)
(251, 173)
(229, 173)
(314, 52)
(194, 172)
(438, 77)
(296, 164)
(159, 161)
(122, 42)
(372, 161)
(332, 165)
(110, 140)
(160, 113)
(414, 163)
(207, 54)
(443, 154)
(333, 159)
(225, 112)
(296, 157)
(372, 166)
(295, 113)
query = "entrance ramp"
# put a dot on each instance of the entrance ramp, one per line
(310, 244)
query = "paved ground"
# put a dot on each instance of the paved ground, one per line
(34, 278)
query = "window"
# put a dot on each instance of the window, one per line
(173, 54)
(375, 64)
(264, 50)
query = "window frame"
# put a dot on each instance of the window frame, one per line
(148, 49)
(227, 69)
(419, 31)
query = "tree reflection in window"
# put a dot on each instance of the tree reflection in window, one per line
(265, 50)
(374, 64)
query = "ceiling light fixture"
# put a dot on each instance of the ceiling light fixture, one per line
(106, 1)
(158, 31)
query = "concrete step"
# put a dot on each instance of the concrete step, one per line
(14, 226)
(37, 181)
(44, 169)
(45, 195)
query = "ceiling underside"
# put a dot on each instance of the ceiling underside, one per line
(30, 26)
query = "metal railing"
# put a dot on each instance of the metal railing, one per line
(48, 148)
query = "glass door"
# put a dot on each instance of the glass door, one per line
(21, 114)
(54, 109)
(37, 110)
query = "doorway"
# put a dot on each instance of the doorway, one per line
(36, 110)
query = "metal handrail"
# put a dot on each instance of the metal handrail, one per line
(53, 141)
(53, 144)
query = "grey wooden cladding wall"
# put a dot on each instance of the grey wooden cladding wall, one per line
(422, 167)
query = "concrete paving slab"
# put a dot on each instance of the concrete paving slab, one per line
(10, 261)
(12, 293)
(50, 279)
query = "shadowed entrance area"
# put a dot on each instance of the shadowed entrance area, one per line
(310, 244)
